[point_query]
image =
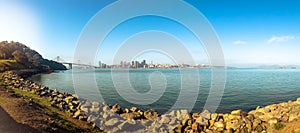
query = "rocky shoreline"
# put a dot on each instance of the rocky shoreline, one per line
(114, 118)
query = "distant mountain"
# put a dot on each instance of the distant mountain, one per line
(15, 55)
(280, 66)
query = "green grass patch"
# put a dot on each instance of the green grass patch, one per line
(10, 65)
(278, 126)
(44, 103)
(8, 61)
(2, 99)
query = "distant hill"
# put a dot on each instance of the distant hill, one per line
(15, 55)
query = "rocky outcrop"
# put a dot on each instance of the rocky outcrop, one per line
(114, 118)
(267, 119)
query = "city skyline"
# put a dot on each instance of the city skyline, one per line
(144, 64)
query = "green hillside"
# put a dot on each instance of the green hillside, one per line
(15, 56)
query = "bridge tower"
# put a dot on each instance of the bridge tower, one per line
(60, 60)
(70, 66)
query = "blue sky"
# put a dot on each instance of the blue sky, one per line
(251, 32)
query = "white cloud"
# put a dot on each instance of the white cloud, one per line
(239, 42)
(275, 39)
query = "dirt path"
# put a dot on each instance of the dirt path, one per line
(18, 115)
(9, 125)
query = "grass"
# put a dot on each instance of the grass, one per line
(64, 121)
(8, 61)
(10, 65)
(278, 126)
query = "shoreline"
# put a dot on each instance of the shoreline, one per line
(116, 119)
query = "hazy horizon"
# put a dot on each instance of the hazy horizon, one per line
(251, 33)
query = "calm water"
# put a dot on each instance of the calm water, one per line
(245, 88)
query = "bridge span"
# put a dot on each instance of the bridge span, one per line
(70, 64)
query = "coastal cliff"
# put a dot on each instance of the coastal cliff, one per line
(114, 118)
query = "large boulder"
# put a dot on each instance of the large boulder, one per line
(131, 115)
(116, 108)
(150, 114)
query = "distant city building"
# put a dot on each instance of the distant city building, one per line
(143, 64)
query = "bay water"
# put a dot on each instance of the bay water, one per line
(244, 89)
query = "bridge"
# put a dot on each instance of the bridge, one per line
(70, 64)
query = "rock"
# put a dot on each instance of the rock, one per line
(61, 96)
(85, 109)
(91, 118)
(285, 118)
(229, 131)
(172, 113)
(131, 126)
(196, 115)
(127, 110)
(117, 108)
(258, 114)
(94, 110)
(131, 115)
(95, 104)
(195, 127)
(272, 121)
(219, 125)
(43, 93)
(178, 128)
(234, 117)
(106, 109)
(183, 113)
(87, 104)
(248, 123)
(82, 118)
(206, 114)
(200, 120)
(150, 114)
(134, 109)
(250, 117)
(186, 119)
(165, 119)
(77, 114)
(256, 122)
(259, 128)
(292, 117)
(75, 102)
(189, 129)
(233, 124)
(69, 99)
(112, 122)
(236, 112)
(211, 123)
(55, 91)
(214, 116)
(75, 96)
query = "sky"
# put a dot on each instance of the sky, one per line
(251, 32)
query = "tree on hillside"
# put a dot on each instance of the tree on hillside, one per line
(2, 54)
(37, 60)
(20, 57)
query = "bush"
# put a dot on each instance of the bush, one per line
(278, 126)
